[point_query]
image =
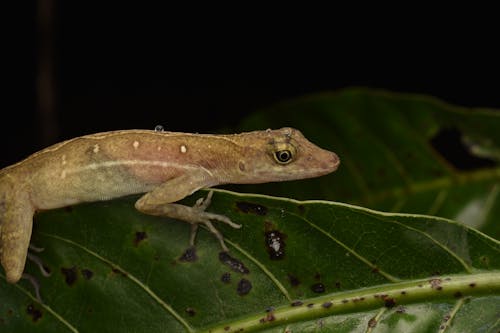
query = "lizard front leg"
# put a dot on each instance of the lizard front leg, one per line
(159, 203)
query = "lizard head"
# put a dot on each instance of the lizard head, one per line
(283, 154)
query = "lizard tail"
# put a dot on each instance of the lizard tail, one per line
(16, 220)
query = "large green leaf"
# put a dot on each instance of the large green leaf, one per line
(301, 266)
(384, 141)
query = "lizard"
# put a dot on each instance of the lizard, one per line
(166, 166)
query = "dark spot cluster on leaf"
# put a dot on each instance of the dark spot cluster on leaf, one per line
(235, 264)
(139, 237)
(189, 255)
(87, 274)
(450, 144)
(297, 303)
(70, 275)
(244, 287)
(457, 294)
(34, 312)
(472, 285)
(345, 301)
(249, 207)
(318, 288)
(275, 244)
(294, 281)
(337, 284)
(226, 277)
(310, 305)
(190, 311)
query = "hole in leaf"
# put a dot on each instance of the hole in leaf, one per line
(448, 142)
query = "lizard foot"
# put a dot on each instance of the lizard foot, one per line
(205, 218)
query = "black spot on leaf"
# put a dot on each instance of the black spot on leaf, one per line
(34, 312)
(189, 255)
(226, 277)
(139, 237)
(70, 275)
(251, 208)
(389, 302)
(190, 311)
(318, 288)
(294, 281)
(297, 303)
(87, 274)
(244, 287)
(327, 304)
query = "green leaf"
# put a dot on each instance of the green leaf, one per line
(312, 266)
(388, 162)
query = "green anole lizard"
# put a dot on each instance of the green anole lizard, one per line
(166, 166)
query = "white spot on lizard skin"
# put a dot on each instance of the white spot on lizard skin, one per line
(96, 148)
(183, 149)
(159, 148)
(136, 144)
(63, 159)
(63, 174)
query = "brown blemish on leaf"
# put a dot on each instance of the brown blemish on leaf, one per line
(251, 208)
(389, 302)
(372, 322)
(297, 303)
(235, 264)
(34, 312)
(70, 275)
(458, 294)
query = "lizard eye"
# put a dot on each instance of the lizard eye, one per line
(283, 156)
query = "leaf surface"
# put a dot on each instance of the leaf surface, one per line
(304, 265)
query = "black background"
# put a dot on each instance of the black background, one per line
(119, 66)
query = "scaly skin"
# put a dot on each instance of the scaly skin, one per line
(166, 166)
